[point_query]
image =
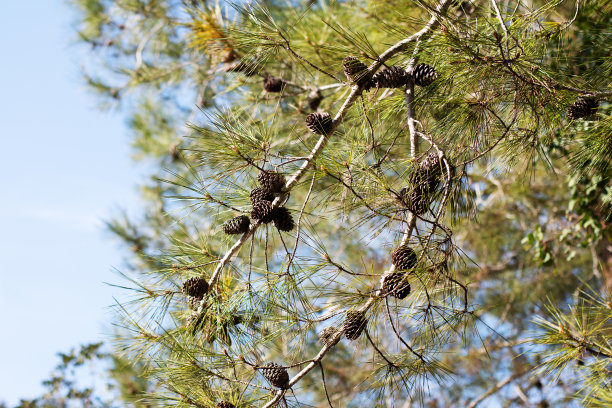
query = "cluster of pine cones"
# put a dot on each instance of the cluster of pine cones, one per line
(357, 72)
(272, 185)
(396, 284)
(424, 182)
(394, 77)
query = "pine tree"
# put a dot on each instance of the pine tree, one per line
(489, 169)
(73, 381)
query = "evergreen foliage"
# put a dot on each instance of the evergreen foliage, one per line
(496, 195)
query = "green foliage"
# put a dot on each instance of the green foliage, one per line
(580, 336)
(520, 200)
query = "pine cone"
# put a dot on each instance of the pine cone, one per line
(354, 323)
(237, 225)
(271, 181)
(261, 194)
(273, 84)
(394, 77)
(416, 199)
(262, 211)
(355, 70)
(277, 375)
(431, 171)
(314, 100)
(327, 335)
(583, 107)
(319, 122)
(282, 219)
(424, 182)
(196, 287)
(396, 284)
(404, 258)
(424, 75)
(225, 404)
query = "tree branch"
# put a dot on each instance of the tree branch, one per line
(351, 98)
(419, 36)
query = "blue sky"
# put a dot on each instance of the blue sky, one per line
(66, 166)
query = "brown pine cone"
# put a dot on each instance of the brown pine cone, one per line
(196, 287)
(416, 199)
(583, 107)
(261, 194)
(272, 181)
(237, 225)
(277, 375)
(424, 75)
(319, 122)
(262, 211)
(395, 284)
(356, 71)
(282, 219)
(354, 323)
(394, 77)
(404, 258)
(273, 84)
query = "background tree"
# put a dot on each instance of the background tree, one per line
(91, 377)
(490, 162)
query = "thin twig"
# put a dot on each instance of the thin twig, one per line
(288, 48)
(420, 356)
(325, 385)
(377, 349)
(299, 222)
